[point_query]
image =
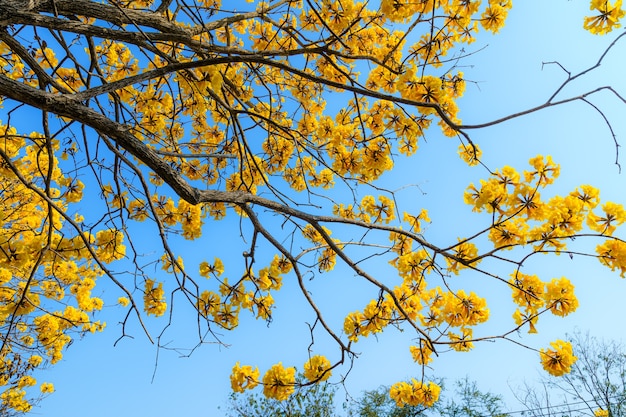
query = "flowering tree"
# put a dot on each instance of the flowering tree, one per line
(132, 118)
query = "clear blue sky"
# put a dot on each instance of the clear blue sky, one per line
(100, 380)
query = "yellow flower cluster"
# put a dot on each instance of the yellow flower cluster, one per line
(217, 268)
(52, 329)
(279, 382)
(422, 354)
(47, 388)
(317, 369)
(252, 292)
(607, 19)
(559, 297)
(375, 317)
(531, 295)
(154, 298)
(415, 393)
(47, 273)
(470, 153)
(243, 378)
(522, 217)
(494, 16)
(109, 246)
(462, 310)
(612, 253)
(464, 256)
(14, 399)
(559, 359)
(381, 212)
(432, 308)
(82, 292)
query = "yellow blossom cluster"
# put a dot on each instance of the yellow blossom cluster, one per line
(187, 216)
(154, 298)
(252, 292)
(607, 17)
(422, 354)
(317, 369)
(109, 246)
(523, 217)
(558, 360)
(47, 271)
(532, 295)
(244, 377)
(432, 308)
(612, 253)
(415, 393)
(279, 382)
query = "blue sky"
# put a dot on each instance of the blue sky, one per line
(102, 380)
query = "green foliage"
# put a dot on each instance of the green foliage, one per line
(471, 402)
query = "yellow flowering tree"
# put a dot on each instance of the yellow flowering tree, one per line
(133, 123)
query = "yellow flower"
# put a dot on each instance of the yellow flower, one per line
(217, 268)
(470, 154)
(607, 19)
(558, 360)
(614, 215)
(416, 221)
(47, 388)
(546, 171)
(462, 342)
(382, 212)
(244, 377)
(154, 299)
(352, 325)
(461, 309)
(26, 381)
(560, 298)
(138, 210)
(493, 17)
(279, 383)
(415, 394)
(14, 399)
(109, 245)
(35, 360)
(463, 253)
(528, 316)
(422, 354)
(317, 369)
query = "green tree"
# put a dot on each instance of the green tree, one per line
(469, 401)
